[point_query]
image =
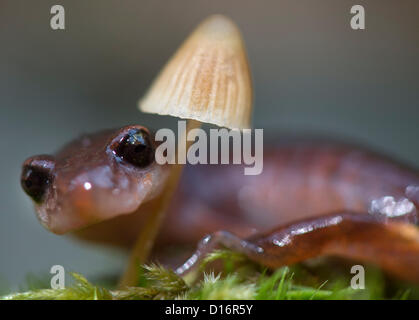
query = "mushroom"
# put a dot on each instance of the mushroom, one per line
(206, 81)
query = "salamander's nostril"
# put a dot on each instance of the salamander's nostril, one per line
(35, 181)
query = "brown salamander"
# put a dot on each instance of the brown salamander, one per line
(311, 199)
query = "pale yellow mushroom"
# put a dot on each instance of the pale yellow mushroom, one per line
(208, 78)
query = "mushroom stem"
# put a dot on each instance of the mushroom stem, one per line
(147, 235)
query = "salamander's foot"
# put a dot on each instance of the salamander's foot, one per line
(400, 210)
(412, 193)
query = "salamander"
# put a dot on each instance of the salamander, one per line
(312, 199)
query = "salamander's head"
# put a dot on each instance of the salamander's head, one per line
(94, 178)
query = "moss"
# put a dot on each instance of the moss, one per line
(238, 279)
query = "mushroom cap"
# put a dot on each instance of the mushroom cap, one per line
(207, 79)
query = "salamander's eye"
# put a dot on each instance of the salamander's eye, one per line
(35, 181)
(136, 148)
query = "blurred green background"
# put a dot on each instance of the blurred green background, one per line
(312, 73)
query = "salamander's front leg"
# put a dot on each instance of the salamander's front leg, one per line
(394, 246)
(214, 241)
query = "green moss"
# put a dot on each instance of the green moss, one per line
(80, 290)
(238, 279)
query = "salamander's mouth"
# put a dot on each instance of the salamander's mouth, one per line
(98, 195)
(95, 178)
(94, 197)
